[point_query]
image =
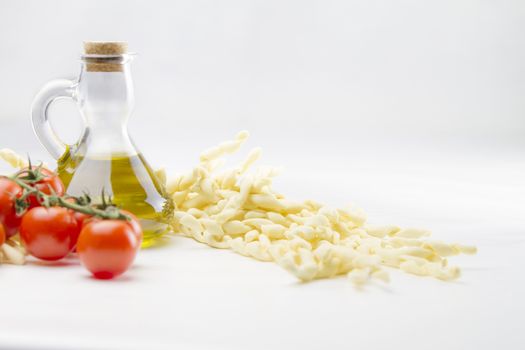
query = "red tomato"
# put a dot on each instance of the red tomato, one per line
(84, 219)
(50, 183)
(2, 234)
(48, 233)
(107, 248)
(9, 191)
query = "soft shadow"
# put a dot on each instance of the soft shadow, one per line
(58, 263)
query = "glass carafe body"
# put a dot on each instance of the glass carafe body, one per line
(105, 159)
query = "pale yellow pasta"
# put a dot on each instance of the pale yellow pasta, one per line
(382, 231)
(11, 252)
(241, 211)
(13, 159)
(412, 233)
(359, 276)
(224, 148)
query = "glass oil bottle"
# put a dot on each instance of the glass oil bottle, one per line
(105, 158)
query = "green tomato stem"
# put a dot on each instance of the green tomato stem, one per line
(54, 200)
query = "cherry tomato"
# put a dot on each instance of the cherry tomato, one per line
(49, 184)
(107, 248)
(84, 219)
(48, 233)
(9, 191)
(2, 234)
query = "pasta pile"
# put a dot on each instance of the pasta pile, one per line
(240, 211)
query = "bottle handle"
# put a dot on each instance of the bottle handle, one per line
(56, 89)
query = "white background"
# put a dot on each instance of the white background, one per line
(411, 109)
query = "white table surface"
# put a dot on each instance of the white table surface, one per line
(186, 295)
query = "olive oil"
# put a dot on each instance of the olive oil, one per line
(130, 182)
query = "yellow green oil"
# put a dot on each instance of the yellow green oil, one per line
(130, 182)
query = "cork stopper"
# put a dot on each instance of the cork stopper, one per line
(112, 49)
(105, 47)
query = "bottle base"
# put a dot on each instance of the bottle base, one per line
(153, 232)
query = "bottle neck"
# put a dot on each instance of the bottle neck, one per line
(106, 100)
